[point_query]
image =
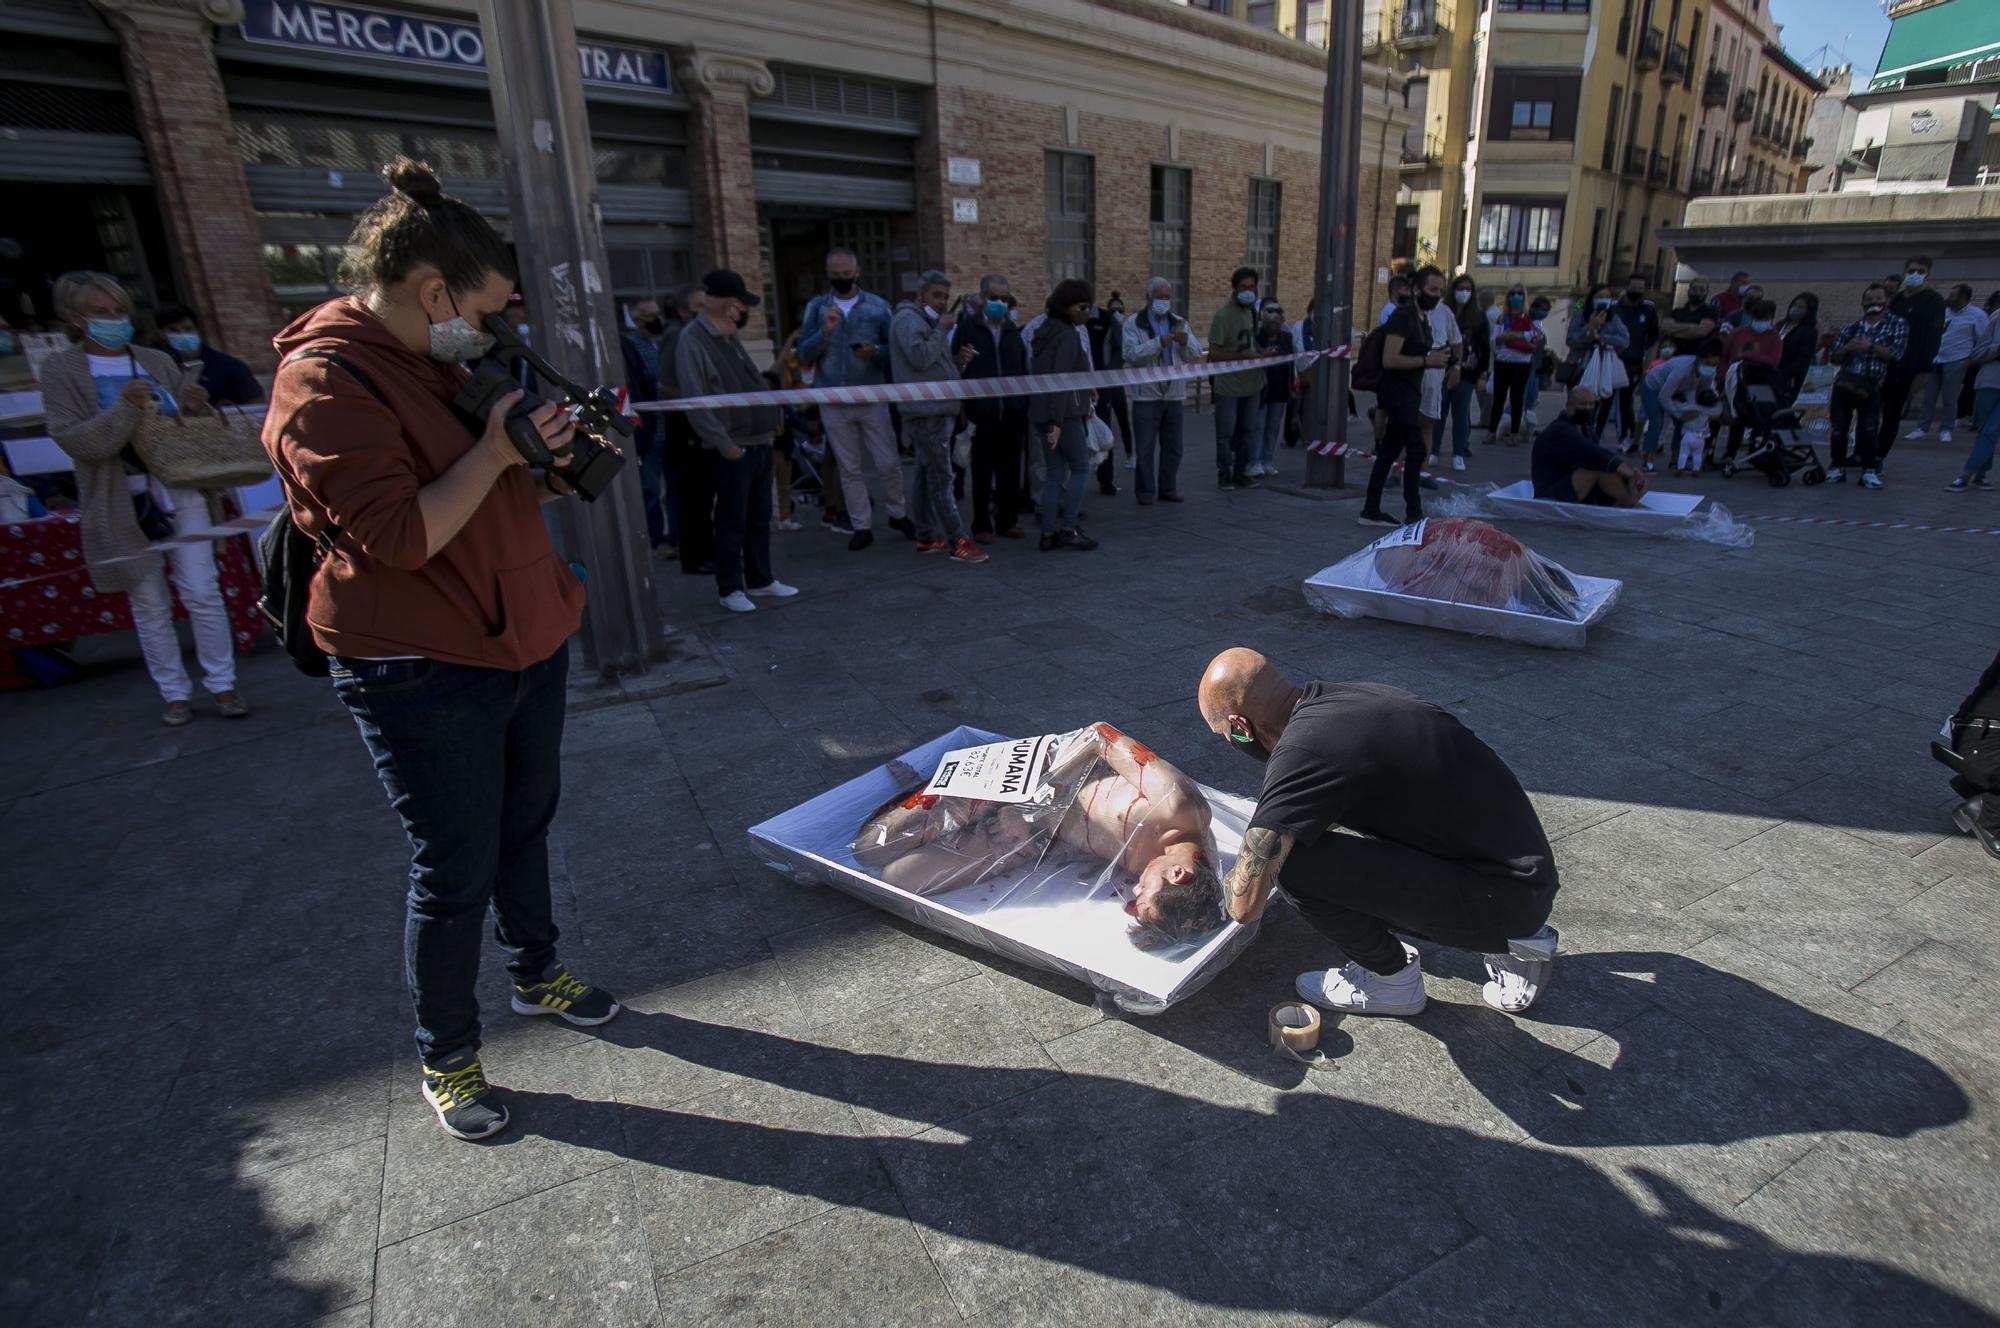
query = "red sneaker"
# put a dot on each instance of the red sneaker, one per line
(965, 551)
(932, 546)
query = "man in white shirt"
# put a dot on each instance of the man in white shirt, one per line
(1964, 326)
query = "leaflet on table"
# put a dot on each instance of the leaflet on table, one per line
(998, 771)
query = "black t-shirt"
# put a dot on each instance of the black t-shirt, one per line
(1923, 310)
(1560, 451)
(1414, 327)
(1384, 763)
(1693, 312)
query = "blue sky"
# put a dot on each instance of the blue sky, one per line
(1857, 27)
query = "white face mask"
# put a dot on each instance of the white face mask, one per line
(456, 341)
(1161, 308)
(1914, 279)
(1461, 295)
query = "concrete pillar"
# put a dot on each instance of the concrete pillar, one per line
(719, 168)
(170, 70)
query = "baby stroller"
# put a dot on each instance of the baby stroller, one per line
(808, 456)
(1774, 443)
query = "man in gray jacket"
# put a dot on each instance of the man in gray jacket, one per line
(920, 352)
(709, 360)
(1155, 334)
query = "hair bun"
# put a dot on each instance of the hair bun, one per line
(413, 179)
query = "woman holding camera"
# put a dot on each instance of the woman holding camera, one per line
(444, 610)
(98, 394)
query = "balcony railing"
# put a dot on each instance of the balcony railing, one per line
(1652, 47)
(1416, 25)
(1657, 173)
(1635, 162)
(1801, 147)
(1746, 107)
(1715, 89)
(1422, 156)
(1676, 63)
(1702, 182)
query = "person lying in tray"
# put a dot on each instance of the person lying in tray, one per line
(1103, 796)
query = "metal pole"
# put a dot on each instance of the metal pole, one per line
(537, 87)
(1333, 275)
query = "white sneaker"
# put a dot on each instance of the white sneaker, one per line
(1352, 989)
(738, 602)
(1518, 977)
(1944, 435)
(776, 590)
(788, 524)
(1131, 463)
(1529, 423)
(1870, 480)
(1836, 476)
(1458, 463)
(1913, 435)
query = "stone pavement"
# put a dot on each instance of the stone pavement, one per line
(1762, 1089)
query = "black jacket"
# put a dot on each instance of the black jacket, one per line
(1923, 310)
(1058, 350)
(1008, 360)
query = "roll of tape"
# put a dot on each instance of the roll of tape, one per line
(1294, 1027)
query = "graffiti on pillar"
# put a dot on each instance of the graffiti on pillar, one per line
(569, 323)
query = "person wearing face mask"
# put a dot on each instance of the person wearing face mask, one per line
(1976, 473)
(1376, 762)
(1056, 419)
(1475, 337)
(1232, 335)
(1750, 356)
(1107, 351)
(444, 609)
(1963, 327)
(640, 349)
(1922, 310)
(920, 352)
(1799, 344)
(1156, 335)
(1594, 327)
(1516, 346)
(1734, 294)
(1695, 321)
(228, 379)
(1544, 368)
(1437, 384)
(1407, 353)
(999, 424)
(1569, 466)
(1677, 390)
(1273, 338)
(1642, 327)
(1866, 351)
(96, 395)
(845, 337)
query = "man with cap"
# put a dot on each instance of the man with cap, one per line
(709, 360)
(1347, 825)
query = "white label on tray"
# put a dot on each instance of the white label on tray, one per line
(1411, 534)
(998, 772)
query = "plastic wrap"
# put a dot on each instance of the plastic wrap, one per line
(998, 874)
(1657, 513)
(1465, 576)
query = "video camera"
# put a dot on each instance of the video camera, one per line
(596, 459)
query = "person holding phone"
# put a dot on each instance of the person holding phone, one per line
(845, 336)
(97, 394)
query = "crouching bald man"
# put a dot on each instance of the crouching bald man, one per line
(1444, 843)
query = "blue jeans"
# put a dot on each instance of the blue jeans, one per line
(660, 520)
(1157, 422)
(1063, 478)
(1235, 426)
(932, 506)
(1459, 403)
(1986, 419)
(1274, 429)
(472, 761)
(1656, 419)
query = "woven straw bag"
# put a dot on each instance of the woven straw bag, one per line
(201, 451)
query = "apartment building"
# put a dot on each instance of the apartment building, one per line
(1756, 102)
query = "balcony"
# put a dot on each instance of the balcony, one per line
(1715, 89)
(1422, 156)
(1702, 182)
(1656, 173)
(1801, 147)
(1675, 67)
(1416, 27)
(1746, 107)
(1652, 46)
(1635, 162)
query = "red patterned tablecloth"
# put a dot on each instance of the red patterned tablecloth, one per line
(46, 595)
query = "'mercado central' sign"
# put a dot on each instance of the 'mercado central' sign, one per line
(383, 34)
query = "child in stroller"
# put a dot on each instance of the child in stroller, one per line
(1775, 444)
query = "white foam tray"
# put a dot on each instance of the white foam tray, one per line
(1657, 513)
(1362, 595)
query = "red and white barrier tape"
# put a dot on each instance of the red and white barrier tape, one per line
(972, 389)
(1870, 525)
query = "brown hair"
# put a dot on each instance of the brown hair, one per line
(416, 225)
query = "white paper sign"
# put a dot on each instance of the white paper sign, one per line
(962, 170)
(965, 209)
(996, 772)
(1411, 534)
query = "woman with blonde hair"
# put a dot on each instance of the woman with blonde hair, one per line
(97, 394)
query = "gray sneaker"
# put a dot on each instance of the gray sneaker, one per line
(1516, 978)
(457, 1090)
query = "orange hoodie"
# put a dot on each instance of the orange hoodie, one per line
(496, 596)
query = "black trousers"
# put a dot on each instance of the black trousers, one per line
(1358, 891)
(997, 448)
(743, 521)
(1116, 410)
(1510, 389)
(1404, 439)
(1896, 385)
(1864, 412)
(694, 494)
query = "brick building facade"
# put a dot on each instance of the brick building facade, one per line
(224, 147)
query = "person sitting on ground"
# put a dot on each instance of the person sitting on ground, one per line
(1142, 815)
(1569, 468)
(1377, 762)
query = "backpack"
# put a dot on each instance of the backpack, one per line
(291, 557)
(1366, 375)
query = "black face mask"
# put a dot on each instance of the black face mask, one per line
(1581, 413)
(654, 325)
(742, 317)
(1635, 296)
(841, 285)
(1427, 302)
(1251, 748)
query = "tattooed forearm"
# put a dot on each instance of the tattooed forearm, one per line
(1249, 882)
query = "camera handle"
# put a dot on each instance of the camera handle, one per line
(597, 409)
